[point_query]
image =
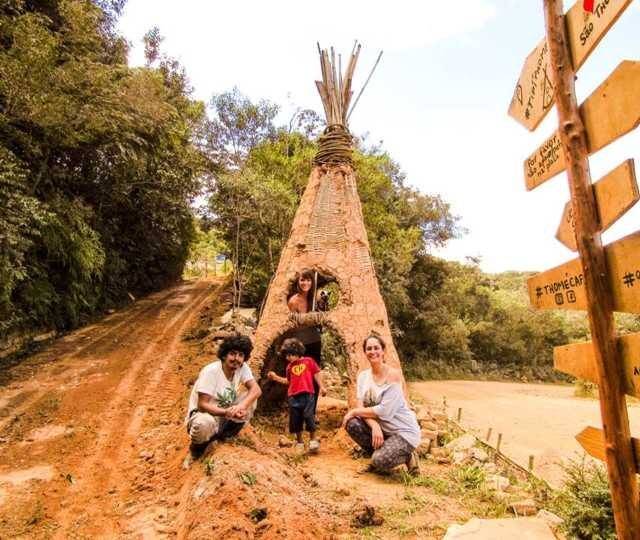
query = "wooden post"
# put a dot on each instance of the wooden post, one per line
(530, 463)
(488, 434)
(459, 414)
(615, 421)
(499, 442)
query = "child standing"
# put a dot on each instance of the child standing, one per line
(300, 373)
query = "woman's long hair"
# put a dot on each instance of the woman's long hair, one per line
(306, 273)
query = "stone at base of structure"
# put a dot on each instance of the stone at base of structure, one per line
(531, 528)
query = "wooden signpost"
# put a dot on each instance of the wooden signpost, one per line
(534, 92)
(593, 442)
(563, 287)
(612, 111)
(602, 279)
(579, 360)
(615, 194)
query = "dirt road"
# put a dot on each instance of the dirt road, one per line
(92, 442)
(534, 419)
(76, 420)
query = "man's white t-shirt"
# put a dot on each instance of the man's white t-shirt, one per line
(213, 382)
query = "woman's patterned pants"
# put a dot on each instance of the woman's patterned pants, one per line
(393, 452)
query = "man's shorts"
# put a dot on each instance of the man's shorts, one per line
(302, 412)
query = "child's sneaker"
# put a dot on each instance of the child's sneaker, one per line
(314, 446)
(299, 448)
(413, 464)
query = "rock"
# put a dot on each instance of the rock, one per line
(429, 434)
(497, 482)
(424, 447)
(460, 457)
(438, 452)
(494, 529)
(479, 454)
(146, 455)
(443, 460)
(490, 468)
(343, 491)
(284, 442)
(199, 492)
(550, 519)
(526, 507)
(462, 443)
(431, 426)
(439, 416)
(367, 517)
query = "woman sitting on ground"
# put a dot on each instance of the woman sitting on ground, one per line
(382, 423)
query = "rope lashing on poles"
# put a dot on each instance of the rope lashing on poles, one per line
(335, 146)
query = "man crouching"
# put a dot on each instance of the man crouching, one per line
(216, 410)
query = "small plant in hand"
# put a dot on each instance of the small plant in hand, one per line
(209, 466)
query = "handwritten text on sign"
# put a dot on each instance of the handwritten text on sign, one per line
(562, 287)
(579, 360)
(611, 111)
(533, 95)
(614, 194)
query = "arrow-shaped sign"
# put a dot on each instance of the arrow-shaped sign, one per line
(609, 113)
(579, 360)
(592, 440)
(614, 194)
(562, 287)
(533, 95)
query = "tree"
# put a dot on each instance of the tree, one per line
(98, 165)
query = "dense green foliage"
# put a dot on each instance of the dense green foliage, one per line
(584, 502)
(97, 164)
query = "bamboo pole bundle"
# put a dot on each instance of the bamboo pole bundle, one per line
(335, 89)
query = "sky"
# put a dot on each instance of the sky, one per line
(438, 99)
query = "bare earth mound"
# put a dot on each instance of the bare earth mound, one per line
(92, 443)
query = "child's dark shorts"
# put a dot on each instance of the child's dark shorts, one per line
(302, 411)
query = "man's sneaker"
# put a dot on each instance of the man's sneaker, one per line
(299, 448)
(413, 464)
(196, 450)
(314, 446)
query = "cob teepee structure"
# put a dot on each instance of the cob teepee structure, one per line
(328, 236)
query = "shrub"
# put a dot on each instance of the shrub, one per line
(585, 502)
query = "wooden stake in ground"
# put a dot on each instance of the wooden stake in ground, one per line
(615, 421)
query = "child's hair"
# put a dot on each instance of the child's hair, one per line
(376, 337)
(238, 343)
(291, 346)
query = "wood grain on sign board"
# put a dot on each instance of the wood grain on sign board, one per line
(562, 287)
(579, 360)
(533, 95)
(592, 440)
(615, 193)
(610, 112)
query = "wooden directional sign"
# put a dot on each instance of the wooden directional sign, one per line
(614, 194)
(610, 112)
(579, 360)
(533, 95)
(562, 287)
(592, 440)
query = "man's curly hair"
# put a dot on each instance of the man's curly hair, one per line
(292, 346)
(238, 343)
